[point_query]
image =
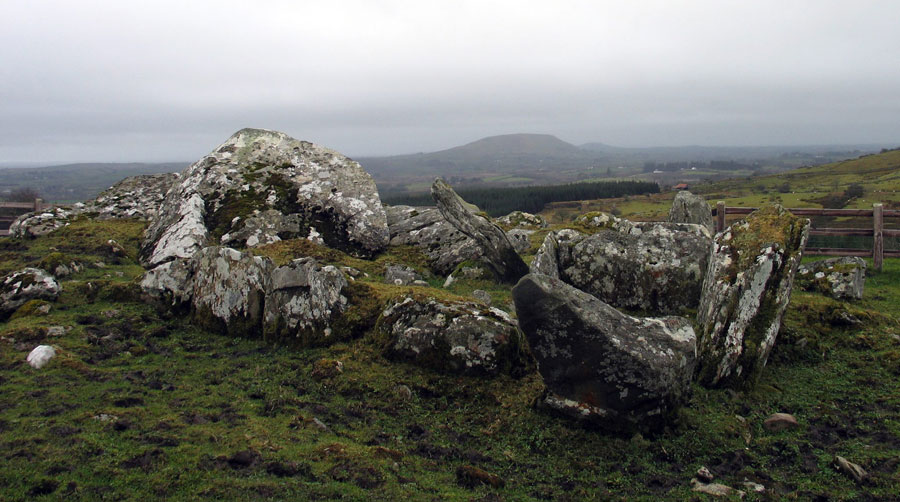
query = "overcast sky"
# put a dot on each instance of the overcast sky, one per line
(170, 80)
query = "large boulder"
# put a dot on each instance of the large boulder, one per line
(303, 300)
(458, 337)
(230, 194)
(521, 219)
(428, 230)
(135, 197)
(841, 278)
(229, 290)
(498, 251)
(745, 293)
(690, 208)
(599, 364)
(649, 267)
(22, 286)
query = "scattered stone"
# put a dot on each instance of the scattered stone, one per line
(778, 422)
(691, 208)
(320, 425)
(471, 477)
(319, 190)
(400, 275)
(497, 251)
(520, 239)
(303, 300)
(22, 286)
(459, 337)
(404, 392)
(704, 475)
(599, 364)
(40, 223)
(842, 278)
(420, 283)
(99, 264)
(56, 331)
(521, 219)
(473, 273)
(753, 487)
(40, 356)
(109, 314)
(449, 281)
(850, 469)
(715, 489)
(105, 417)
(745, 293)
(656, 267)
(482, 296)
(428, 230)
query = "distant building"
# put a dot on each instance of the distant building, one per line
(681, 186)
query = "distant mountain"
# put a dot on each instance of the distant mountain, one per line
(514, 145)
(77, 182)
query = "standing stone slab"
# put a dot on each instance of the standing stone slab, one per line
(229, 290)
(690, 208)
(498, 252)
(456, 337)
(303, 300)
(599, 364)
(745, 293)
(841, 278)
(240, 193)
(546, 260)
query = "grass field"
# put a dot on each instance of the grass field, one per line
(141, 405)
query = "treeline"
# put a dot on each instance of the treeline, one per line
(501, 201)
(713, 165)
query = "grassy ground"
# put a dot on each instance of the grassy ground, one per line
(141, 405)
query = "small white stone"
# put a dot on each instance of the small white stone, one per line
(40, 356)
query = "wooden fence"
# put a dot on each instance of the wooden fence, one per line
(19, 208)
(877, 232)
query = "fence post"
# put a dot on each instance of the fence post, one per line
(37, 205)
(720, 216)
(878, 233)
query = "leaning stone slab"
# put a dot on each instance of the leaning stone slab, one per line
(22, 286)
(745, 293)
(546, 260)
(303, 300)
(498, 251)
(600, 365)
(456, 337)
(690, 208)
(842, 278)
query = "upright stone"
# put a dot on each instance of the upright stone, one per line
(745, 293)
(546, 261)
(690, 208)
(229, 290)
(303, 300)
(599, 364)
(497, 250)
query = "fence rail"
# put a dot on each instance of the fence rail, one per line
(877, 232)
(25, 207)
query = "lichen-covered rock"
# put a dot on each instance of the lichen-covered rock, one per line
(135, 197)
(316, 190)
(745, 293)
(497, 251)
(546, 260)
(458, 337)
(40, 356)
(400, 275)
(690, 208)
(842, 278)
(427, 229)
(520, 239)
(22, 286)
(651, 267)
(171, 283)
(229, 290)
(521, 219)
(597, 220)
(599, 364)
(303, 299)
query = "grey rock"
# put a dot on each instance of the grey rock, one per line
(715, 489)
(428, 230)
(303, 300)
(848, 468)
(520, 239)
(521, 219)
(842, 278)
(22, 286)
(497, 251)
(704, 475)
(745, 293)
(656, 268)
(56, 330)
(256, 171)
(265, 227)
(691, 208)
(171, 283)
(599, 364)
(457, 337)
(229, 290)
(40, 356)
(546, 260)
(40, 223)
(400, 275)
(597, 220)
(482, 296)
(780, 421)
